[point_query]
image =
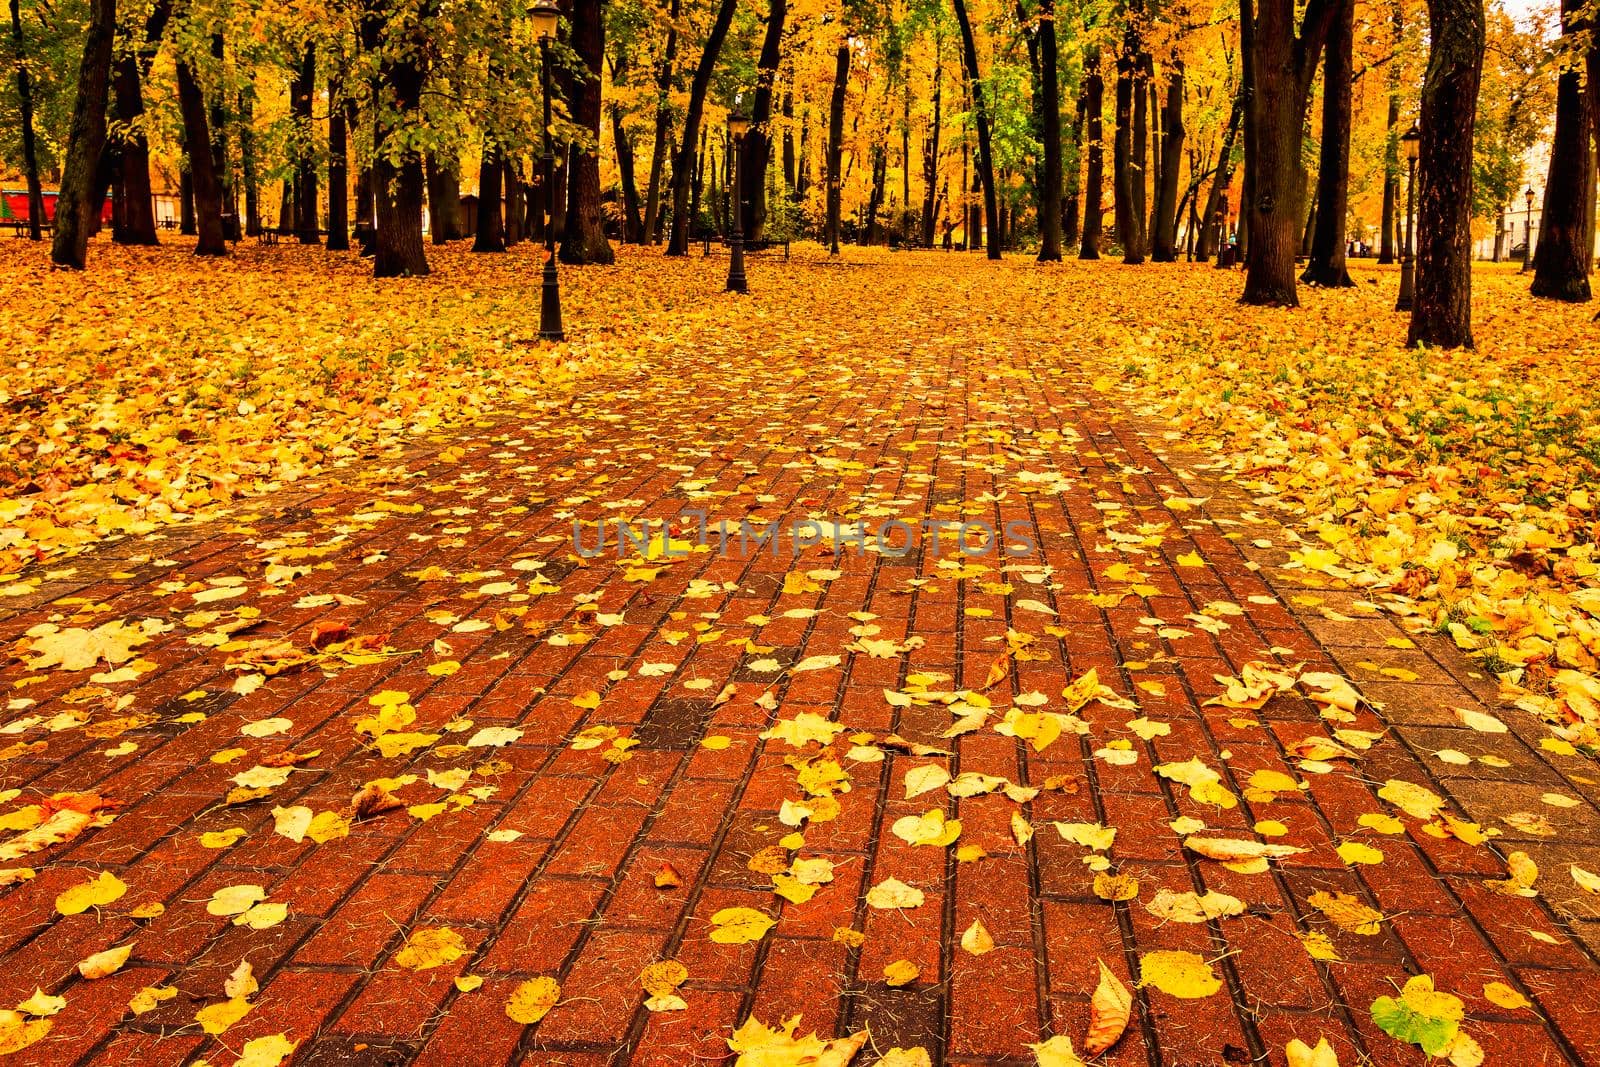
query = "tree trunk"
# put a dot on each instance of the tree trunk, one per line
(1050, 195)
(1441, 315)
(757, 144)
(444, 196)
(1560, 258)
(583, 240)
(30, 151)
(516, 205)
(1247, 89)
(491, 224)
(306, 227)
(1282, 66)
(632, 221)
(788, 139)
(1134, 252)
(75, 207)
(247, 162)
(841, 75)
(1164, 239)
(186, 224)
(1391, 146)
(221, 156)
(658, 149)
(930, 157)
(880, 170)
(1094, 178)
(683, 168)
(285, 209)
(397, 181)
(1071, 217)
(137, 224)
(1326, 263)
(202, 169)
(338, 174)
(1211, 237)
(1122, 149)
(991, 204)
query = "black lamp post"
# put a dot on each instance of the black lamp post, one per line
(1527, 233)
(738, 126)
(1411, 142)
(544, 14)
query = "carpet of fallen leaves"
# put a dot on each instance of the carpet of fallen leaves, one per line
(1456, 491)
(1466, 483)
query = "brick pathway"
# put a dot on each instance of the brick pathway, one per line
(586, 862)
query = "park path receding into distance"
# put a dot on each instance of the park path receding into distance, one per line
(589, 761)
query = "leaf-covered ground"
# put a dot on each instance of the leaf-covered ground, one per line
(373, 757)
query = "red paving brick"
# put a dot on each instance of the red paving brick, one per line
(546, 857)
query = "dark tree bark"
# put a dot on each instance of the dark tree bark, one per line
(584, 238)
(1211, 237)
(683, 167)
(1134, 252)
(202, 167)
(30, 150)
(397, 180)
(221, 155)
(1391, 147)
(880, 169)
(841, 74)
(991, 205)
(1326, 263)
(247, 162)
(516, 205)
(136, 223)
(75, 206)
(1094, 178)
(1071, 217)
(307, 230)
(757, 147)
(1122, 150)
(658, 149)
(1164, 238)
(338, 174)
(1247, 89)
(788, 139)
(1283, 64)
(930, 155)
(1050, 194)
(285, 225)
(1561, 258)
(444, 197)
(491, 225)
(632, 219)
(186, 223)
(1441, 314)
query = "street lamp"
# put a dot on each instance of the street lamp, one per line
(738, 126)
(544, 15)
(1411, 141)
(1527, 233)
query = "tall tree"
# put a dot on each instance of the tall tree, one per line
(757, 143)
(1122, 149)
(1326, 265)
(490, 236)
(1283, 64)
(1071, 211)
(202, 165)
(930, 154)
(683, 167)
(1391, 143)
(583, 240)
(663, 126)
(338, 172)
(444, 194)
(306, 227)
(1164, 235)
(398, 34)
(1050, 194)
(1441, 314)
(137, 224)
(980, 114)
(1211, 236)
(841, 76)
(1094, 180)
(75, 206)
(30, 150)
(1562, 256)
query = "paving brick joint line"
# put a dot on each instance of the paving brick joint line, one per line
(551, 868)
